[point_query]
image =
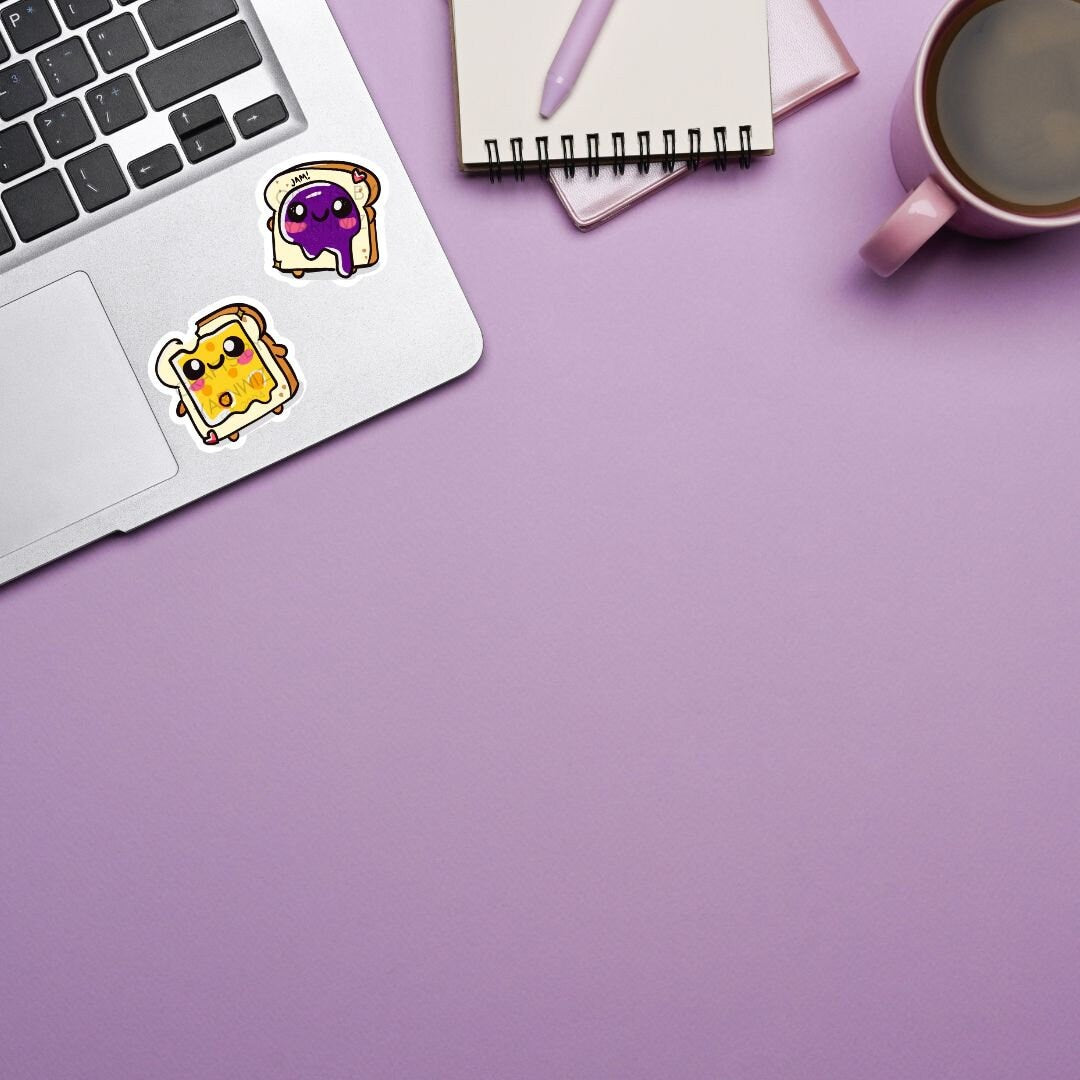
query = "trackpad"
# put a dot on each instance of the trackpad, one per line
(76, 433)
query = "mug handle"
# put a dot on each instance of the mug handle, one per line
(920, 216)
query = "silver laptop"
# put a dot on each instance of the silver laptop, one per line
(210, 258)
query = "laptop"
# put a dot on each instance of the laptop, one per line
(210, 258)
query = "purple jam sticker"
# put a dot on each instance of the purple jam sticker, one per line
(321, 216)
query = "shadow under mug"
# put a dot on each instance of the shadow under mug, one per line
(937, 196)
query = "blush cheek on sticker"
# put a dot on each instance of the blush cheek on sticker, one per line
(219, 407)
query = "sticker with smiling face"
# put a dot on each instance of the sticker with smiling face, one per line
(229, 374)
(323, 218)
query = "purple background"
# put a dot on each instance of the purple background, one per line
(689, 692)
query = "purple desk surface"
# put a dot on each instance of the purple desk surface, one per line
(689, 692)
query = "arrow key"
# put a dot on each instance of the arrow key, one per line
(196, 115)
(156, 166)
(262, 116)
(208, 141)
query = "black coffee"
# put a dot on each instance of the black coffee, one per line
(1003, 103)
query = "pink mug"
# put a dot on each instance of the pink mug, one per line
(937, 197)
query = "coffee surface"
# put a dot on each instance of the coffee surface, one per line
(1003, 102)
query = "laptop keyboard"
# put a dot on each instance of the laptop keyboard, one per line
(74, 74)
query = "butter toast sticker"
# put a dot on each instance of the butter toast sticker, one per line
(323, 219)
(228, 374)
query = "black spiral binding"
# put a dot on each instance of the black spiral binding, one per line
(542, 154)
(746, 150)
(694, 158)
(618, 142)
(669, 151)
(644, 151)
(594, 154)
(494, 164)
(719, 151)
(569, 168)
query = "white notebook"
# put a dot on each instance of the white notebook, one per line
(668, 81)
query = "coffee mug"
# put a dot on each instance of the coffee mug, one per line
(939, 194)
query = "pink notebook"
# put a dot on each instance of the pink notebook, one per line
(808, 59)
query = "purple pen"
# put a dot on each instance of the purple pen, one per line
(572, 54)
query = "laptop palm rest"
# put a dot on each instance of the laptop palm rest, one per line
(76, 433)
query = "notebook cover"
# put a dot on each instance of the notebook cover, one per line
(808, 60)
(673, 68)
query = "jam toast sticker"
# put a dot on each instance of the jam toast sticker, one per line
(227, 375)
(323, 219)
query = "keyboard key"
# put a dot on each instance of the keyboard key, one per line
(198, 114)
(78, 13)
(19, 90)
(208, 142)
(118, 43)
(66, 66)
(199, 65)
(170, 21)
(262, 116)
(19, 153)
(202, 129)
(116, 104)
(5, 52)
(39, 205)
(156, 166)
(7, 241)
(30, 23)
(64, 128)
(97, 179)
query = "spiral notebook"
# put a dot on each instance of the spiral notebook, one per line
(808, 58)
(666, 82)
